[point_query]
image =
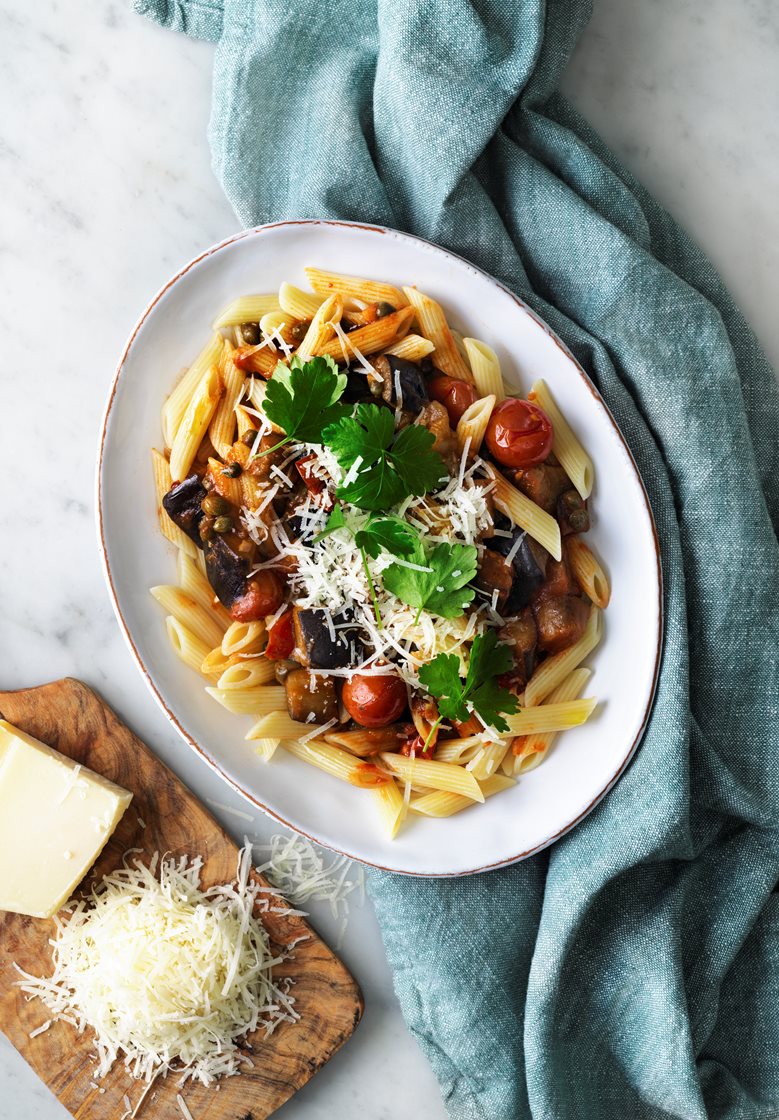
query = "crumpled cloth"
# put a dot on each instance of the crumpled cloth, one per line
(631, 971)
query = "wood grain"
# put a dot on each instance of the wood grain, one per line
(70, 717)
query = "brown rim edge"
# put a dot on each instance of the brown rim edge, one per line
(201, 751)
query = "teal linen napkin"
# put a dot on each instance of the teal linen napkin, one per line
(633, 969)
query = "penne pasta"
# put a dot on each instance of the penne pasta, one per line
(274, 321)
(168, 528)
(441, 804)
(194, 424)
(541, 526)
(555, 669)
(243, 637)
(176, 405)
(551, 717)
(355, 288)
(339, 763)
(572, 456)
(222, 427)
(244, 421)
(215, 663)
(246, 309)
(266, 748)
(248, 674)
(413, 348)
(488, 761)
(321, 328)
(588, 572)
(224, 486)
(369, 339)
(258, 701)
(191, 649)
(528, 751)
(280, 725)
(485, 368)
(200, 622)
(364, 742)
(193, 582)
(473, 424)
(459, 750)
(433, 775)
(391, 807)
(297, 303)
(433, 325)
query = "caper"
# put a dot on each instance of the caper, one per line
(223, 525)
(232, 470)
(297, 331)
(251, 333)
(384, 309)
(249, 437)
(215, 505)
(206, 530)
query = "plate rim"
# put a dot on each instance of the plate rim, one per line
(190, 740)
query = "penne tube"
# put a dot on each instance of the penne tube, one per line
(355, 288)
(555, 669)
(433, 325)
(246, 309)
(168, 528)
(321, 328)
(551, 717)
(541, 526)
(274, 321)
(413, 348)
(176, 405)
(189, 613)
(485, 368)
(473, 424)
(251, 672)
(488, 761)
(244, 421)
(365, 742)
(527, 751)
(280, 725)
(248, 701)
(194, 424)
(216, 663)
(243, 637)
(573, 458)
(266, 748)
(224, 486)
(193, 582)
(221, 430)
(441, 804)
(391, 807)
(191, 649)
(261, 359)
(433, 775)
(588, 572)
(371, 338)
(339, 763)
(297, 303)
(459, 750)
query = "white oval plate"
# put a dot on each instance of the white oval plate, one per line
(585, 762)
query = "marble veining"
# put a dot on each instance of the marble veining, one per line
(106, 189)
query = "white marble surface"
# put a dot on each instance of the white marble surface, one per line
(106, 188)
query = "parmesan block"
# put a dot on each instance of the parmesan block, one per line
(55, 818)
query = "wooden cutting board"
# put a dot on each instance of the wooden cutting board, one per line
(70, 717)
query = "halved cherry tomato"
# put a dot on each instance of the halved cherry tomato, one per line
(374, 701)
(303, 466)
(264, 595)
(281, 638)
(519, 434)
(455, 395)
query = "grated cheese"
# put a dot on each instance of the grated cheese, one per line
(183, 1107)
(169, 977)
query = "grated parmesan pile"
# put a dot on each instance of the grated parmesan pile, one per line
(168, 976)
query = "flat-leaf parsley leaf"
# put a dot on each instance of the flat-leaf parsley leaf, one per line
(480, 691)
(303, 399)
(438, 581)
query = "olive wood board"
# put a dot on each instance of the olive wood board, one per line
(71, 718)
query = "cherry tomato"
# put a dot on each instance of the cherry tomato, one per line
(281, 638)
(455, 395)
(374, 701)
(264, 595)
(519, 434)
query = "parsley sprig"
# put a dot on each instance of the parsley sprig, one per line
(392, 465)
(302, 399)
(480, 692)
(438, 583)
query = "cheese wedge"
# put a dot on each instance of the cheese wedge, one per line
(55, 818)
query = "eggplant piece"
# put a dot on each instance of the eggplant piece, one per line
(314, 645)
(310, 697)
(522, 635)
(528, 567)
(226, 571)
(561, 621)
(182, 505)
(495, 573)
(396, 371)
(543, 484)
(572, 513)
